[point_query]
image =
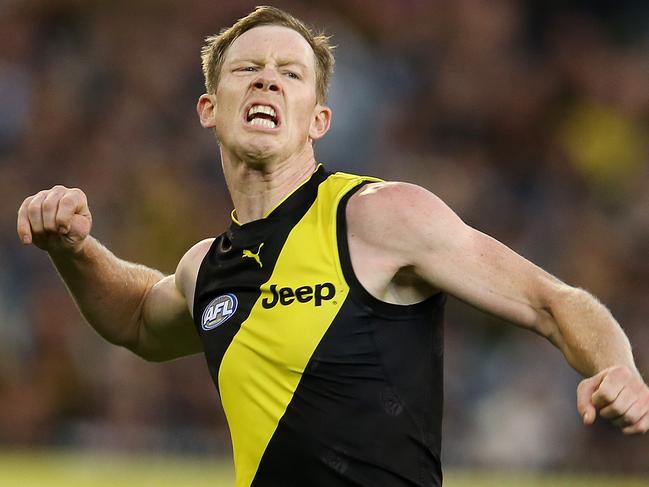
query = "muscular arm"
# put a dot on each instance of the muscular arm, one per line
(128, 304)
(486, 274)
(443, 252)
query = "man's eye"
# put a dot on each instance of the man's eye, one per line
(248, 68)
(293, 75)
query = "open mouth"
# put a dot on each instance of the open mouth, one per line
(262, 116)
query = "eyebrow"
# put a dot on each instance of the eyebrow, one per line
(280, 63)
(291, 62)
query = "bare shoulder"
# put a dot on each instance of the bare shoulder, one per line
(187, 270)
(377, 211)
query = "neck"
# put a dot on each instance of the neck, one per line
(256, 188)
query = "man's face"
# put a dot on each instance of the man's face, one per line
(265, 104)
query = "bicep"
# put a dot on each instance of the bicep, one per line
(451, 256)
(485, 273)
(470, 265)
(166, 327)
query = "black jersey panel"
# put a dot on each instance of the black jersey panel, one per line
(349, 423)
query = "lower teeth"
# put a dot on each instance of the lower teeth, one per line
(263, 122)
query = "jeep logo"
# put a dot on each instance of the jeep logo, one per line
(304, 294)
(218, 311)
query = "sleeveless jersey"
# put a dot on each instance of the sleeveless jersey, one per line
(322, 384)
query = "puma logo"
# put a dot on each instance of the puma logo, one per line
(251, 255)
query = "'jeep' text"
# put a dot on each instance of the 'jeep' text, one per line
(303, 294)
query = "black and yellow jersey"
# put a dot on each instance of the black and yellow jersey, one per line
(322, 384)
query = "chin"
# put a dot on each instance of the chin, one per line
(259, 153)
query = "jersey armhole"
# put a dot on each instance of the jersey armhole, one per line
(356, 289)
(200, 276)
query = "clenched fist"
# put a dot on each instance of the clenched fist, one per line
(619, 395)
(56, 219)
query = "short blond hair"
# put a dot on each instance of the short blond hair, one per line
(213, 52)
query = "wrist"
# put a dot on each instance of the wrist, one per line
(78, 251)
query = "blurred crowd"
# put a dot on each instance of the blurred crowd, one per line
(530, 119)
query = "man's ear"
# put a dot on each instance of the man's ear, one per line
(320, 123)
(206, 111)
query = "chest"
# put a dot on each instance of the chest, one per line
(266, 298)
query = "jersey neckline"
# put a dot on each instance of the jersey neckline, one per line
(303, 194)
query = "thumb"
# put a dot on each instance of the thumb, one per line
(80, 226)
(77, 231)
(585, 391)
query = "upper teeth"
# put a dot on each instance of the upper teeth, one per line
(261, 109)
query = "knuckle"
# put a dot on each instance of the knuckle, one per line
(623, 373)
(58, 187)
(611, 392)
(49, 204)
(74, 197)
(38, 197)
(35, 201)
(34, 209)
(605, 396)
(77, 192)
(67, 199)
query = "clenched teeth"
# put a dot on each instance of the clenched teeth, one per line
(263, 116)
(261, 109)
(263, 122)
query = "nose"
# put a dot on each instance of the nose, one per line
(267, 82)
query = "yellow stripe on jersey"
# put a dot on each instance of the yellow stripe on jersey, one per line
(265, 361)
(235, 218)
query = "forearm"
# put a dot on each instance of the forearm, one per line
(110, 292)
(587, 333)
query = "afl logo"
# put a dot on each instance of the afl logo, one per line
(218, 311)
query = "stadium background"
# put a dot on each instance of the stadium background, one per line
(530, 119)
